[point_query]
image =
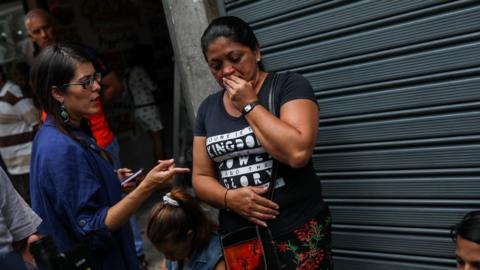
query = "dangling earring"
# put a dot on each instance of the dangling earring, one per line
(258, 59)
(64, 114)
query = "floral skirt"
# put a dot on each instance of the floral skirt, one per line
(309, 246)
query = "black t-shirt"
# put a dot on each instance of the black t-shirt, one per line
(241, 161)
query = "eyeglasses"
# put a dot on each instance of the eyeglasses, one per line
(87, 82)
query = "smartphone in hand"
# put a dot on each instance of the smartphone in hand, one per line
(131, 177)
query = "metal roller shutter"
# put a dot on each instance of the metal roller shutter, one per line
(398, 150)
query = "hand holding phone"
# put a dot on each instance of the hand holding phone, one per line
(131, 177)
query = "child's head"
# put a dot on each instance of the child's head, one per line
(178, 225)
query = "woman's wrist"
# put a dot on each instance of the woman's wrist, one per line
(145, 188)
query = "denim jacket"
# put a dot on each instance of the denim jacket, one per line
(201, 259)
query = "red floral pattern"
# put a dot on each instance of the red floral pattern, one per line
(307, 255)
(283, 247)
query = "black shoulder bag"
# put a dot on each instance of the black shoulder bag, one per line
(253, 247)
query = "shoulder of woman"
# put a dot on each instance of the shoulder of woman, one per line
(215, 241)
(214, 250)
(291, 76)
(211, 99)
(294, 81)
(54, 141)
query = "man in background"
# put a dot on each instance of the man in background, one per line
(18, 122)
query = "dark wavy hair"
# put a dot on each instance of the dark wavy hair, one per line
(468, 228)
(172, 223)
(54, 67)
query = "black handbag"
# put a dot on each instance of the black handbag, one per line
(253, 247)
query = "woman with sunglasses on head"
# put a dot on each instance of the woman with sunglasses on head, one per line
(74, 187)
(466, 235)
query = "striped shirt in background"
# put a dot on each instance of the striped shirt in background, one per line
(18, 116)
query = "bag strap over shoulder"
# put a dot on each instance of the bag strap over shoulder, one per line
(273, 261)
(272, 108)
(271, 95)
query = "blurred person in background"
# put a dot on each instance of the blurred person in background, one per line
(142, 90)
(18, 225)
(21, 77)
(19, 120)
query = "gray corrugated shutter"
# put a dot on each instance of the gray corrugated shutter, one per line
(398, 150)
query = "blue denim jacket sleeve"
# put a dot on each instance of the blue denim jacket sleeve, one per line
(82, 195)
